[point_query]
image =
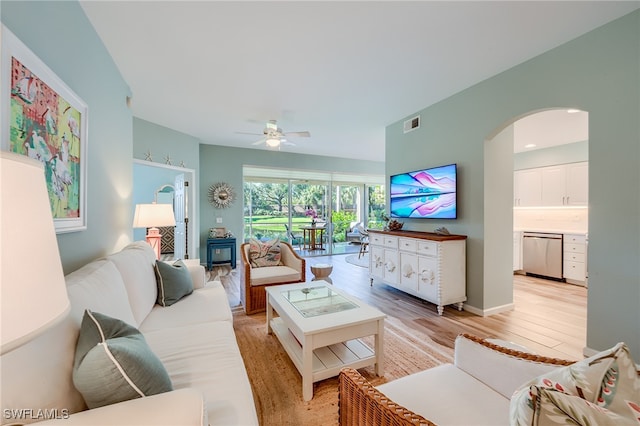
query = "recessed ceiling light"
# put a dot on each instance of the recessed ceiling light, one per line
(530, 145)
(573, 110)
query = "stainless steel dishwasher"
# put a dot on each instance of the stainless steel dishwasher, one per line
(542, 254)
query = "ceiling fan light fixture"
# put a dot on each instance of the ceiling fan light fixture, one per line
(273, 142)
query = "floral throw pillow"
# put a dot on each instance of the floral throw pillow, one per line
(602, 389)
(264, 254)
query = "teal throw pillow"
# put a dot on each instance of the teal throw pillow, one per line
(174, 282)
(113, 363)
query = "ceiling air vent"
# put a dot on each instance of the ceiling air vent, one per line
(412, 124)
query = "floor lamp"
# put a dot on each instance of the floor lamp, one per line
(151, 216)
(33, 299)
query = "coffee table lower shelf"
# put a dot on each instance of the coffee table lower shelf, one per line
(328, 360)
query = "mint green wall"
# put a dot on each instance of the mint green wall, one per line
(562, 154)
(60, 34)
(162, 142)
(598, 73)
(224, 164)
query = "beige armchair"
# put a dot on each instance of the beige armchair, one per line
(254, 280)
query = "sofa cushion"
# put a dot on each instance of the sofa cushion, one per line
(174, 282)
(178, 407)
(98, 286)
(113, 363)
(274, 275)
(206, 357)
(135, 263)
(263, 254)
(447, 395)
(502, 372)
(605, 382)
(203, 305)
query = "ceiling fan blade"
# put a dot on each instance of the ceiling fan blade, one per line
(261, 141)
(248, 133)
(298, 134)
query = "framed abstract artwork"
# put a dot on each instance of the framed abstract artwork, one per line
(42, 118)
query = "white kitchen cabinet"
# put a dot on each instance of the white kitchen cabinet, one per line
(554, 185)
(574, 268)
(527, 188)
(577, 184)
(426, 265)
(561, 185)
(517, 250)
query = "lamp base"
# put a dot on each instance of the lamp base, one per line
(154, 238)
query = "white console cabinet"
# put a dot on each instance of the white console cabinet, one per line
(426, 265)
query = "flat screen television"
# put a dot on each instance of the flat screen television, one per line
(428, 193)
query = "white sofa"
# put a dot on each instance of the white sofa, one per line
(474, 390)
(193, 338)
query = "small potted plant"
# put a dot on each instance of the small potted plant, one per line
(313, 214)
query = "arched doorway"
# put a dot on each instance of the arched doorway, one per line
(565, 140)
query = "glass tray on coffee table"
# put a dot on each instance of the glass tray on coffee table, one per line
(314, 301)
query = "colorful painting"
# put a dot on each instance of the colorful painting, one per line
(47, 122)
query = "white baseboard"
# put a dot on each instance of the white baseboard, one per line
(489, 312)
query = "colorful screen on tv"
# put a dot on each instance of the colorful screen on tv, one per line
(428, 193)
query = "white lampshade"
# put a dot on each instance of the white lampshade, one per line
(32, 287)
(153, 215)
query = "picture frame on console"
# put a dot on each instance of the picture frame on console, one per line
(42, 118)
(217, 232)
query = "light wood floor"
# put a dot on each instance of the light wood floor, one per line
(549, 317)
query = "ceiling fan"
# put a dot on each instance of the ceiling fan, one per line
(273, 136)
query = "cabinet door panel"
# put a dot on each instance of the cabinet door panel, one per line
(578, 184)
(574, 270)
(391, 266)
(376, 262)
(553, 186)
(428, 279)
(528, 187)
(408, 271)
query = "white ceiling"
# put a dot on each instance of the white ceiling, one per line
(550, 128)
(341, 70)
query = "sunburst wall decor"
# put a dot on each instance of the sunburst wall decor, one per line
(221, 195)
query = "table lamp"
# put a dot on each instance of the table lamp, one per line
(33, 293)
(151, 216)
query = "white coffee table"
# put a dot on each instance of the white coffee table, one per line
(320, 328)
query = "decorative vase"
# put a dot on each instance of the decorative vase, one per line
(394, 225)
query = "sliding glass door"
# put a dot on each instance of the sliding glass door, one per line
(282, 207)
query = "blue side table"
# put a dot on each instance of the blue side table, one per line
(218, 244)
